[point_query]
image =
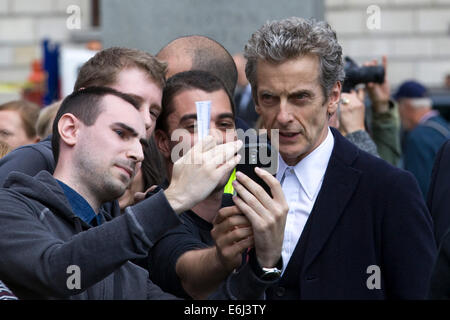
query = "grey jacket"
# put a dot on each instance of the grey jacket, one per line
(44, 246)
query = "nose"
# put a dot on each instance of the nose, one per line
(284, 115)
(136, 152)
(145, 113)
(217, 134)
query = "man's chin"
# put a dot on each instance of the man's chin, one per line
(292, 155)
(114, 191)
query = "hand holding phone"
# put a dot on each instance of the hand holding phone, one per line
(258, 154)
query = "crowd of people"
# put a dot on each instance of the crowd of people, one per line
(91, 183)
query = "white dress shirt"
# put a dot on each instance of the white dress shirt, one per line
(301, 184)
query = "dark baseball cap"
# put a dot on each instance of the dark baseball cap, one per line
(411, 89)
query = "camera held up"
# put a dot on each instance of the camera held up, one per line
(355, 74)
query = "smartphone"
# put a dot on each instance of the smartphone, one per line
(258, 154)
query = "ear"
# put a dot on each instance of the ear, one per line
(68, 128)
(162, 142)
(333, 98)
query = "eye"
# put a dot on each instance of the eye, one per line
(226, 124)
(119, 132)
(191, 127)
(154, 114)
(268, 99)
(5, 133)
(300, 98)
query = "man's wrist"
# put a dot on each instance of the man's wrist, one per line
(175, 201)
(381, 106)
(265, 273)
(355, 129)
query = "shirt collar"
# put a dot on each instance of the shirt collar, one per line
(311, 169)
(79, 205)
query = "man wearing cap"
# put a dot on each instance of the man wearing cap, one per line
(425, 129)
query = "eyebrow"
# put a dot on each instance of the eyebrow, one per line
(155, 105)
(138, 99)
(305, 91)
(294, 93)
(194, 116)
(133, 132)
(188, 117)
(226, 115)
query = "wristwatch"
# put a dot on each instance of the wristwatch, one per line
(266, 274)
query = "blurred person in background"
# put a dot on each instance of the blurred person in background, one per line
(349, 120)
(375, 129)
(197, 52)
(4, 148)
(447, 81)
(385, 121)
(425, 131)
(44, 122)
(17, 123)
(245, 108)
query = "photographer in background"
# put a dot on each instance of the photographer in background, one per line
(349, 120)
(384, 124)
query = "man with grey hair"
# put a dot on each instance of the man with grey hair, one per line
(357, 227)
(426, 131)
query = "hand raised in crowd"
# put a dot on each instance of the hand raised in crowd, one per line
(198, 172)
(351, 112)
(267, 215)
(232, 234)
(139, 196)
(379, 93)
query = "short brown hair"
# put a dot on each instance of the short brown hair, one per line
(28, 111)
(103, 68)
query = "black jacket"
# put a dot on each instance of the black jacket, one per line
(367, 214)
(438, 199)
